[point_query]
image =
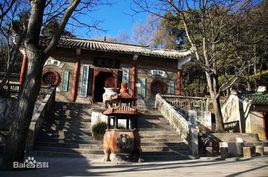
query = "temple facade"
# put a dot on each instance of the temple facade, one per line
(81, 68)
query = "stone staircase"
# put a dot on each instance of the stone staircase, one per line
(68, 134)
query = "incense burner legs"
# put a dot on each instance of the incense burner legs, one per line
(123, 144)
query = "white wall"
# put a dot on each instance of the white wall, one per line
(230, 109)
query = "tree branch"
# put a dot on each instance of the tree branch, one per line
(56, 37)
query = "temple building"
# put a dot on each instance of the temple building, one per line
(247, 112)
(81, 68)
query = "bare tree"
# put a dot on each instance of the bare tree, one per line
(12, 22)
(144, 33)
(41, 12)
(210, 28)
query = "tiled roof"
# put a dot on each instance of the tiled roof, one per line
(95, 45)
(256, 98)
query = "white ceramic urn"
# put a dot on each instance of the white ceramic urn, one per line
(109, 92)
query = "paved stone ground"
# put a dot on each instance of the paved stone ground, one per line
(67, 167)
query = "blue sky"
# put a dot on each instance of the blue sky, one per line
(114, 18)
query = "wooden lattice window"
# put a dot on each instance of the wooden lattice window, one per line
(84, 81)
(51, 78)
(65, 81)
(171, 87)
(143, 87)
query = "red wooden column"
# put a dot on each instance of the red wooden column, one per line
(75, 80)
(133, 76)
(179, 82)
(23, 69)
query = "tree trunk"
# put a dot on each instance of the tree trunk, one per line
(213, 87)
(17, 137)
(16, 142)
(218, 115)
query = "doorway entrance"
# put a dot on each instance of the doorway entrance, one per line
(103, 79)
(158, 86)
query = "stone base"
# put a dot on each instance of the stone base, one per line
(123, 158)
(259, 150)
(235, 148)
(247, 151)
(209, 151)
(223, 150)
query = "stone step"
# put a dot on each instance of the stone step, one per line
(161, 140)
(154, 124)
(54, 129)
(60, 106)
(85, 131)
(154, 127)
(99, 149)
(64, 139)
(66, 125)
(151, 117)
(165, 156)
(69, 119)
(147, 156)
(75, 141)
(69, 135)
(70, 145)
(153, 121)
(92, 141)
(159, 129)
(65, 135)
(44, 153)
(167, 136)
(95, 150)
(180, 149)
(164, 144)
(74, 123)
(99, 144)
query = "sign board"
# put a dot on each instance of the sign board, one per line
(159, 73)
(52, 61)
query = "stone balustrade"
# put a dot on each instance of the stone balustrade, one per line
(184, 103)
(186, 130)
(176, 119)
(39, 116)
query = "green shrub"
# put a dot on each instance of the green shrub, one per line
(98, 130)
